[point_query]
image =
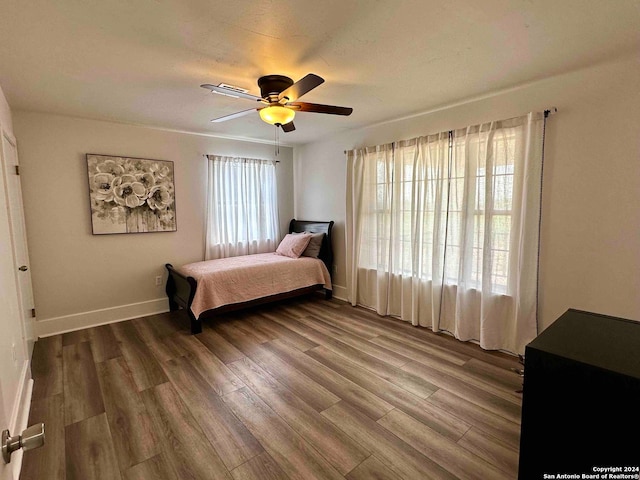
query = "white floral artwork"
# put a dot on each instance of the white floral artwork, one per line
(131, 195)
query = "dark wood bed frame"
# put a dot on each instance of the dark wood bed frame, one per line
(181, 289)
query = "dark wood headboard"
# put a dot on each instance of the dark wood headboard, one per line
(326, 251)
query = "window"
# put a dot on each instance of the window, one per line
(242, 207)
(480, 209)
(432, 197)
(443, 230)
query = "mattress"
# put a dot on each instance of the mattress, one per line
(232, 280)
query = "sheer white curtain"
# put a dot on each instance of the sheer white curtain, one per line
(443, 230)
(242, 207)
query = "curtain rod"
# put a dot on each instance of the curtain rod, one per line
(547, 112)
(277, 161)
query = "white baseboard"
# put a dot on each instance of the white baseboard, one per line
(20, 414)
(77, 321)
(94, 318)
(340, 292)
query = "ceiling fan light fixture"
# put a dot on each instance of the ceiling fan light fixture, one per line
(278, 100)
(277, 115)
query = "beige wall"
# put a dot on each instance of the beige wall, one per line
(5, 114)
(81, 279)
(590, 252)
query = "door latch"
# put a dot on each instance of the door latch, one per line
(32, 437)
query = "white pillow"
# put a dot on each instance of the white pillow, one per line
(293, 245)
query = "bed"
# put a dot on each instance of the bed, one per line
(208, 288)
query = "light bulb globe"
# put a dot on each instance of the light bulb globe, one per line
(277, 115)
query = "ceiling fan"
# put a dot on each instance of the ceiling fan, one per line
(278, 95)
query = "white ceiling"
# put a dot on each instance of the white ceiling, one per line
(142, 61)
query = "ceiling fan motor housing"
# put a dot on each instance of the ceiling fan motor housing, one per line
(273, 84)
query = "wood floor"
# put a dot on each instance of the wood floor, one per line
(304, 389)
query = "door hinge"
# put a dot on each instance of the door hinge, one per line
(17, 169)
(33, 313)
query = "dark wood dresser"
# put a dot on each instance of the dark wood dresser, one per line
(581, 398)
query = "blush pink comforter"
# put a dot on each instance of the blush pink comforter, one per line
(239, 279)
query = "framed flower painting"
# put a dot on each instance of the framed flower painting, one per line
(131, 195)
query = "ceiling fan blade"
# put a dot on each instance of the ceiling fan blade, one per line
(231, 92)
(235, 115)
(318, 108)
(302, 86)
(288, 127)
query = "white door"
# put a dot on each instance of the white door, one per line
(12, 355)
(6, 470)
(19, 237)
